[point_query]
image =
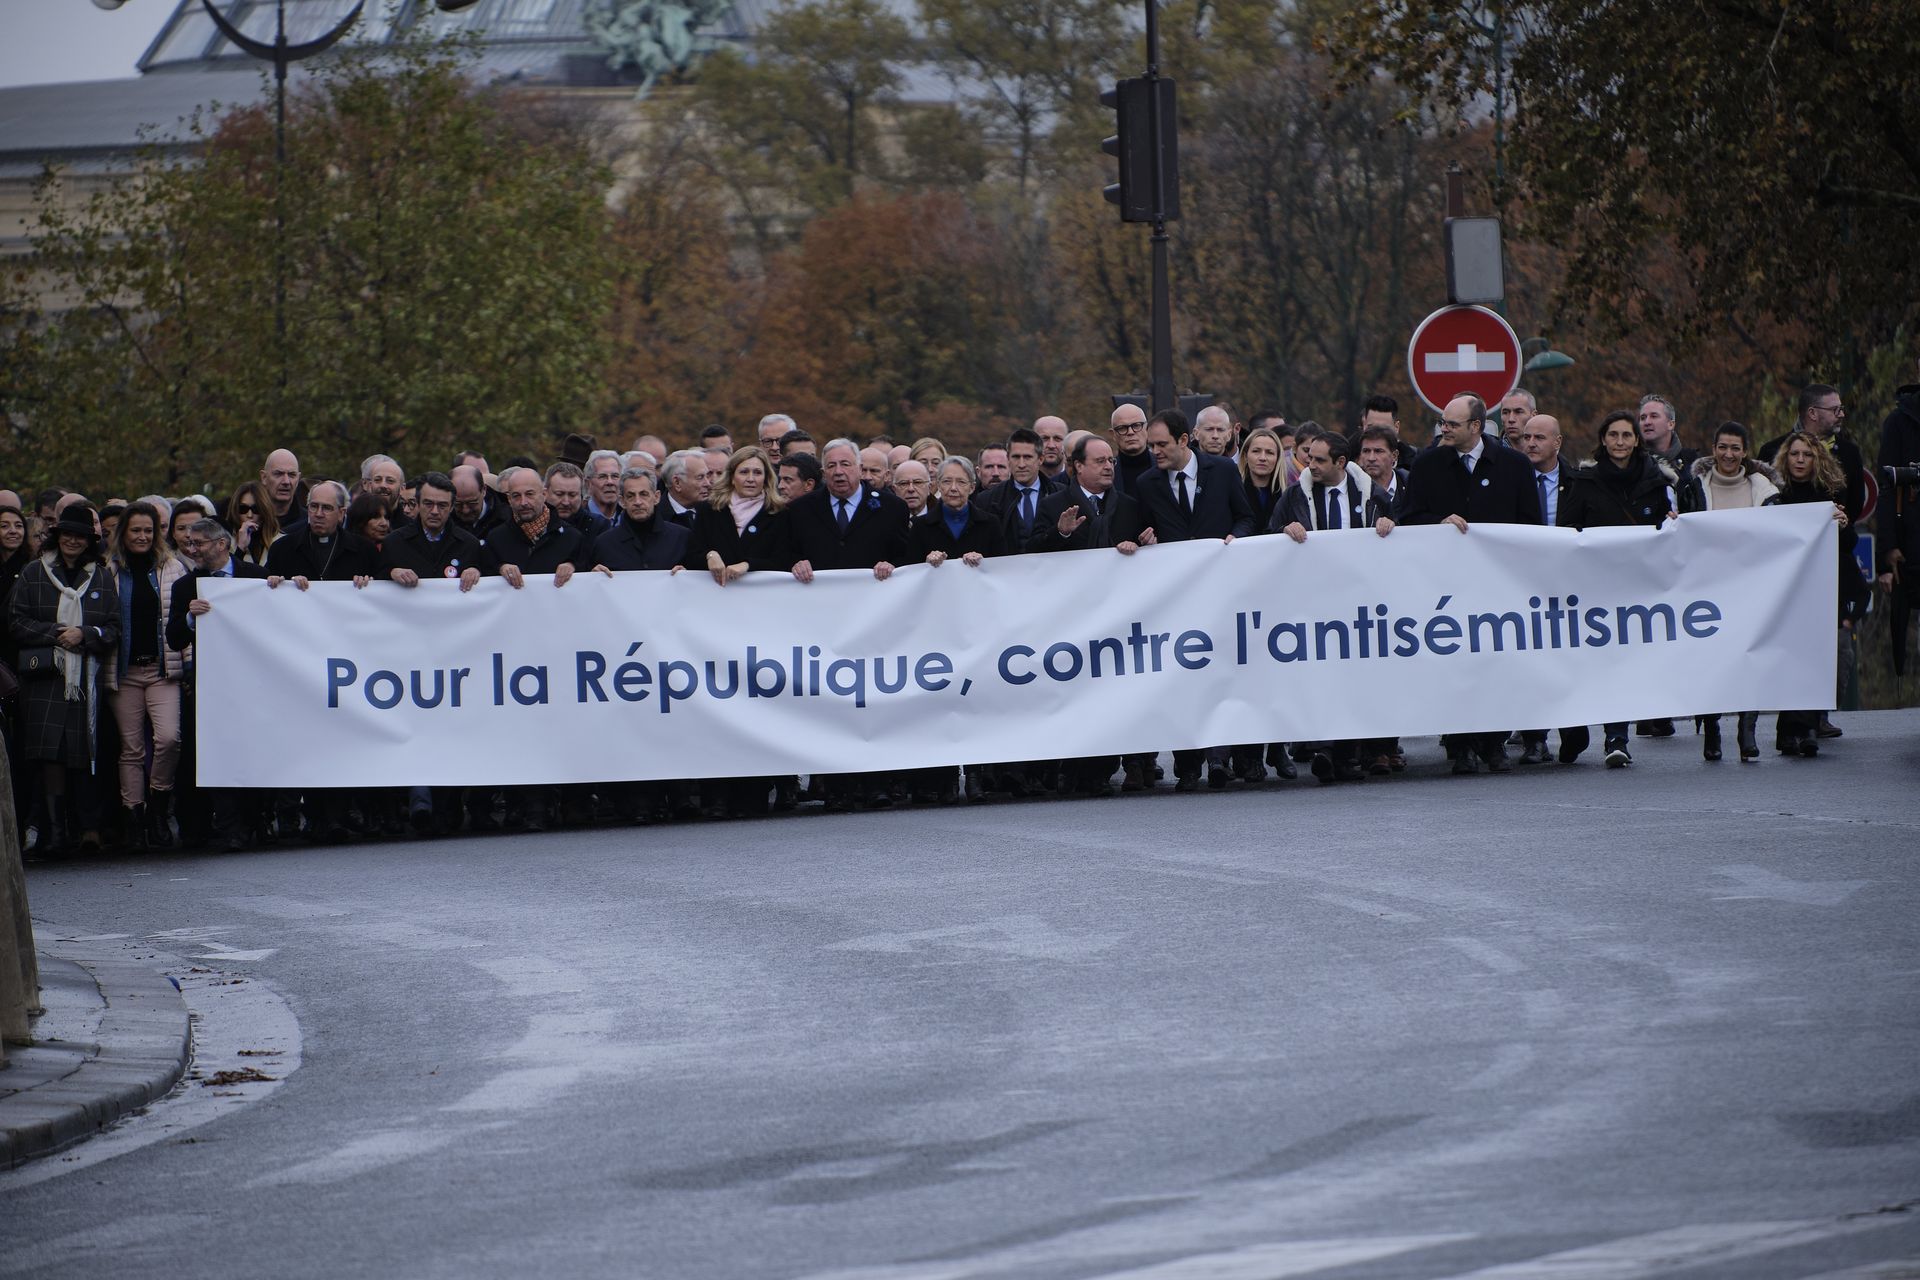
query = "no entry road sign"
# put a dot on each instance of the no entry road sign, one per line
(1463, 351)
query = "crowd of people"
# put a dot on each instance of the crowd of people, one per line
(102, 599)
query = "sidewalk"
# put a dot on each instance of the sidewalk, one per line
(115, 1036)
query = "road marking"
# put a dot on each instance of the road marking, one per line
(97, 1240)
(1490, 956)
(1027, 936)
(362, 1155)
(221, 951)
(1758, 882)
(1274, 1261)
(1691, 1246)
(1893, 1269)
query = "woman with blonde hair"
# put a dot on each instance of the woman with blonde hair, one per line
(741, 529)
(929, 452)
(1809, 473)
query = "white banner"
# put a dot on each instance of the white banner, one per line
(1080, 653)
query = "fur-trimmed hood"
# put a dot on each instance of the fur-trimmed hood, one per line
(1763, 482)
(1752, 466)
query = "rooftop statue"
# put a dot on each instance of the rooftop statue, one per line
(657, 38)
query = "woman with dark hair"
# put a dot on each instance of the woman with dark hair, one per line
(255, 527)
(184, 513)
(1621, 485)
(65, 614)
(1729, 480)
(370, 516)
(1809, 473)
(146, 675)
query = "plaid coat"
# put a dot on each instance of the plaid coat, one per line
(51, 728)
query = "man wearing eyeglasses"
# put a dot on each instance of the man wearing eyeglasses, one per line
(1131, 457)
(1462, 481)
(322, 551)
(434, 547)
(1824, 417)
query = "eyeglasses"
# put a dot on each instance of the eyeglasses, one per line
(1130, 427)
(1444, 423)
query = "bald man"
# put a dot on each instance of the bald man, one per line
(876, 468)
(1214, 432)
(1053, 447)
(913, 485)
(1131, 457)
(280, 476)
(1539, 439)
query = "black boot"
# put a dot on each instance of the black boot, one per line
(58, 840)
(1711, 748)
(134, 821)
(160, 819)
(1749, 747)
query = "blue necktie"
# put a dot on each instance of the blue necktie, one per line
(1545, 516)
(1026, 511)
(840, 507)
(1333, 507)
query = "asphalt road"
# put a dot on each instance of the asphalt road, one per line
(1567, 1023)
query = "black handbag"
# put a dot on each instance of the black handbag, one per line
(36, 663)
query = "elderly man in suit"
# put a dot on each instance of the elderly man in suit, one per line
(1191, 496)
(1462, 481)
(1087, 512)
(846, 524)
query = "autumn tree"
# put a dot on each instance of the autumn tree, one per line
(446, 285)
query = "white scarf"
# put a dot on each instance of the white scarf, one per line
(73, 663)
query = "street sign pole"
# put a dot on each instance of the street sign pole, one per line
(1162, 386)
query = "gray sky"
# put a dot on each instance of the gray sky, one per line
(50, 41)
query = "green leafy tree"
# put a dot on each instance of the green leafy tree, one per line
(1776, 144)
(446, 285)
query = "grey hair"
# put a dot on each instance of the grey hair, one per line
(627, 462)
(510, 472)
(211, 529)
(368, 464)
(345, 497)
(598, 454)
(839, 442)
(676, 464)
(161, 504)
(1533, 403)
(1673, 415)
(639, 473)
(959, 460)
(773, 418)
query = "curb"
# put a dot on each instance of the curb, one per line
(138, 1052)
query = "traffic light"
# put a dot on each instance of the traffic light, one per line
(1138, 137)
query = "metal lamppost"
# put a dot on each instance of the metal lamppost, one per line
(283, 55)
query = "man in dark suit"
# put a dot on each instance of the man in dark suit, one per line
(1331, 496)
(1193, 495)
(323, 551)
(1086, 513)
(224, 813)
(1377, 450)
(1463, 480)
(643, 540)
(1014, 503)
(434, 546)
(846, 525)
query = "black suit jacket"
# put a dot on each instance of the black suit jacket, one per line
(1220, 506)
(1361, 503)
(763, 544)
(186, 590)
(877, 531)
(983, 534)
(658, 544)
(300, 556)
(1002, 503)
(563, 541)
(409, 548)
(1118, 521)
(1500, 491)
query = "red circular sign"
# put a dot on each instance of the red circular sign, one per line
(1463, 351)
(1872, 503)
